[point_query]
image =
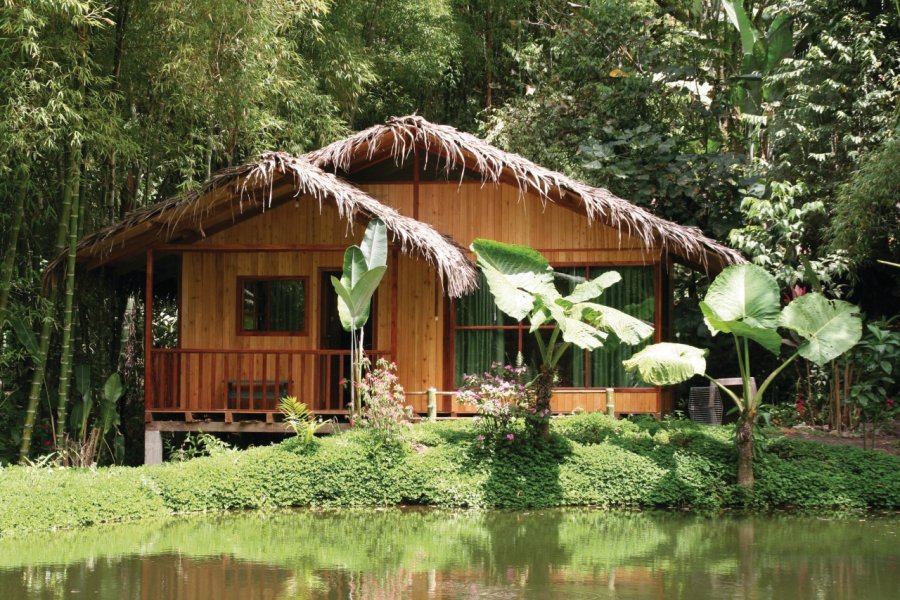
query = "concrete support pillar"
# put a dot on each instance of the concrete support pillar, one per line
(153, 449)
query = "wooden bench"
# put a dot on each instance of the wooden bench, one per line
(266, 393)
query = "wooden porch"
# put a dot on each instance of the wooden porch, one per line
(244, 384)
(234, 386)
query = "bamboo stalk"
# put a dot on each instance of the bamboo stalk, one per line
(9, 256)
(65, 364)
(40, 361)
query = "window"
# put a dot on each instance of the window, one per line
(484, 335)
(272, 305)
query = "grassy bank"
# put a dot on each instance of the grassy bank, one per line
(590, 460)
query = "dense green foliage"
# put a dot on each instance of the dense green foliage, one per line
(590, 460)
(678, 105)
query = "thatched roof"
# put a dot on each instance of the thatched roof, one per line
(400, 136)
(239, 192)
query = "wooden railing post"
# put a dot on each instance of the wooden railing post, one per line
(432, 404)
(148, 333)
(611, 402)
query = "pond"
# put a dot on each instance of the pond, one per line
(406, 553)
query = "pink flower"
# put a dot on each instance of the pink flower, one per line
(510, 436)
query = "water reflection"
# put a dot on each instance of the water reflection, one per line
(457, 554)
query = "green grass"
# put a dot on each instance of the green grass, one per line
(590, 460)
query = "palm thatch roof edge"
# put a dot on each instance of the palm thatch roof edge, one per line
(253, 185)
(401, 136)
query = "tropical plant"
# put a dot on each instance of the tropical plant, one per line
(875, 384)
(364, 267)
(776, 236)
(522, 283)
(300, 418)
(500, 396)
(383, 407)
(196, 445)
(92, 422)
(744, 301)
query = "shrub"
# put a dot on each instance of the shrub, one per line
(194, 446)
(500, 397)
(590, 459)
(383, 410)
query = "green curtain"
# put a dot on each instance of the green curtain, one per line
(633, 295)
(274, 305)
(475, 350)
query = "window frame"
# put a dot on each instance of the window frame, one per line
(242, 279)
(523, 328)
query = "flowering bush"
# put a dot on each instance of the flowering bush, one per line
(383, 402)
(500, 396)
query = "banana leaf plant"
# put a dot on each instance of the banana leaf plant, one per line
(744, 302)
(92, 419)
(521, 281)
(364, 267)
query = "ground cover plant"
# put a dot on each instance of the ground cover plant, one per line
(589, 459)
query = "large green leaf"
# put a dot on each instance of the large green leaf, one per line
(743, 300)
(628, 329)
(82, 379)
(574, 330)
(25, 335)
(592, 289)
(667, 363)
(780, 40)
(830, 327)
(515, 275)
(109, 414)
(374, 245)
(344, 301)
(113, 388)
(738, 17)
(355, 266)
(354, 302)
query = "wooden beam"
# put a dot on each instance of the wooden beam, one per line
(165, 248)
(416, 184)
(236, 427)
(148, 332)
(395, 282)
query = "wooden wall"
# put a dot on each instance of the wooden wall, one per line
(469, 211)
(208, 280)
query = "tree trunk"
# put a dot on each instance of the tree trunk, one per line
(65, 364)
(9, 256)
(543, 390)
(40, 361)
(745, 451)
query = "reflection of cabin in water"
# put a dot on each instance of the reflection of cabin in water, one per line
(251, 252)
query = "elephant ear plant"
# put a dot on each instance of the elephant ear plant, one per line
(364, 267)
(522, 283)
(743, 301)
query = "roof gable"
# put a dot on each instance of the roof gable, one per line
(402, 137)
(238, 193)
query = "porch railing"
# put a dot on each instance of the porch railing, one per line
(198, 380)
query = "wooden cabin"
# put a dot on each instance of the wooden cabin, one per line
(250, 255)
